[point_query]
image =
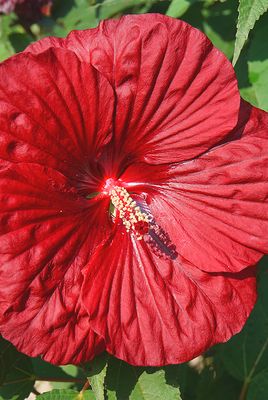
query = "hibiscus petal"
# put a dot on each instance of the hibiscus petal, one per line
(215, 208)
(50, 130)
(47, 235)
(155, 312)
(56, 329)
(90, 45)
(176, 94)
(62, 118)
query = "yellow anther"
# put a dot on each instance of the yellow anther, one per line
(132, 216)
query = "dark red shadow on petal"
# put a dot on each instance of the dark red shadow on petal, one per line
(243, 117)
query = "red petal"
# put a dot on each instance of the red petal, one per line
(58, 112)
(45, 243)
(90, 45)
(156, 312)
(215, 208)
(52, 124)
(47, 235)
(171, 84)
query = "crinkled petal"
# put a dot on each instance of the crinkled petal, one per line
(156, 312)
(171, 85)
(47, 236)
(51, 126)
(58, 112)
(215, 208)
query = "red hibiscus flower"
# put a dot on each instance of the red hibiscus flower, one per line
(27, 10)
(133, 192)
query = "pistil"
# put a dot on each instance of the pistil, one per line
(130, 213)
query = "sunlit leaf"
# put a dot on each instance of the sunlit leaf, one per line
(249, 12)
(111, 8)
(249, 95)
(77, 14)
(154, 387)
(258, 63)
(6, 48)
(123, 381)
(97, 372)
(178, 7)
(66, 394)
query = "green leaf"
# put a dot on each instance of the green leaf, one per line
(258, 63)
(66, 394)
(225, 46)
(6, 49)
(249, 95)
(217, 21)
(142, 9)
(258, 389)
(77, 14)
(249, 12)
(16, 373)
(19, 41)
(19, 372)
(247, 91)
(178, 7)
(112, 8)
(154, 387)
(123, 381)
(219, 25)
(13, 37)
(185, 377)
(246, 354)
(96, 376)
(82, 14)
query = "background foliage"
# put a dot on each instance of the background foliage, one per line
(237, 370)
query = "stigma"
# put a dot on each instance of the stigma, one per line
(133, 218)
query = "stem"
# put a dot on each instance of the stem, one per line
(244, 390)
(247, 381)
(85, 387)
(49, 379)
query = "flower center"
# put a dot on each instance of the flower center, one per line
(137, 219)
(133, 218)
